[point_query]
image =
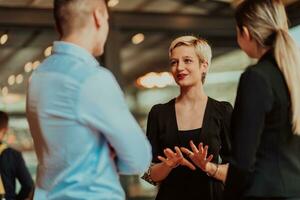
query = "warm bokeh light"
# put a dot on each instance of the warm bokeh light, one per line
(48, 51)
(138, 38)
(28, 67)
(11, 79)
(19, 79)
(153, 79)
(3, 39)
(112, 3)
(11, 98)
(36, 64)
(4, 91)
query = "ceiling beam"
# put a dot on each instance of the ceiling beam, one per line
(164, 22)
(33, 17)
(212, 25)
(26, 17)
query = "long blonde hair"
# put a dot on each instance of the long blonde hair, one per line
(267, 23)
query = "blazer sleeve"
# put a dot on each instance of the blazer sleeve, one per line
(225, 151)
(153, 133)
(253, 101)
(23, 176)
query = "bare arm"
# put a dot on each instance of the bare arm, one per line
(160, 171)
(218, 172)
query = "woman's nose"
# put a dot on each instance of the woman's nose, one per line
(180, 66)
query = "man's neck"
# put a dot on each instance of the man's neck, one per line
(82, 41)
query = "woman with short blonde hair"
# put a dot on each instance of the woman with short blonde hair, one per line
(190, 118)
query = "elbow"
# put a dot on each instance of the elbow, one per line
(138, 168)
(28, 188)
(142, 163)
(138, 164)
(143, 166)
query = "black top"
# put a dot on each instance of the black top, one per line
(266, 154)
(162, 132)
(187, 135)
(12, 167)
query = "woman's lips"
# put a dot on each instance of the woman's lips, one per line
(181, 76)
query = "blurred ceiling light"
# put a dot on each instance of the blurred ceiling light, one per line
(153, 79)
(36, 64)
(28, 67)
(138, 38)
(11, 98)
(48, 51)
(112, 3)
(4, 91)
(148, 81)
(11, 79)
(3, 39)
(166, 79)
(19, 79)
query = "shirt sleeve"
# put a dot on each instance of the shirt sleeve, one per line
(23, 176)
(102, 107)
(253, 101)
(152, 134)
(226, 149)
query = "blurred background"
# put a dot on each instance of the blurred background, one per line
(136, 52)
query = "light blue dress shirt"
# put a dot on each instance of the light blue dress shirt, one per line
(75, 110)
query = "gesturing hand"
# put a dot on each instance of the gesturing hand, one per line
(174, 159)
(198, 155)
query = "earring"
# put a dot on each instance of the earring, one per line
(203, 76)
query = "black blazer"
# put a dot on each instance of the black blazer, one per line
(266, 154)
(162, 132)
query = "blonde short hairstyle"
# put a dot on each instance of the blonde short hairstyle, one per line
(202, 48)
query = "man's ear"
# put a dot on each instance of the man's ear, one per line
(97, 16)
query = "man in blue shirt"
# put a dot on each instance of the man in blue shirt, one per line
(77, 113)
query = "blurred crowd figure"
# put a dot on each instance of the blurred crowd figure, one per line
(12, 168)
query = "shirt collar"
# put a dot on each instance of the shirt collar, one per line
(73, 50)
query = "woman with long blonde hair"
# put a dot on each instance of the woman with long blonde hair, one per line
(266, 117)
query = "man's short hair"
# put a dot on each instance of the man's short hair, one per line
(71, 15)
(3, 120)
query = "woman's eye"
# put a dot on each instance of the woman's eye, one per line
(172, 63)
(188, 61)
